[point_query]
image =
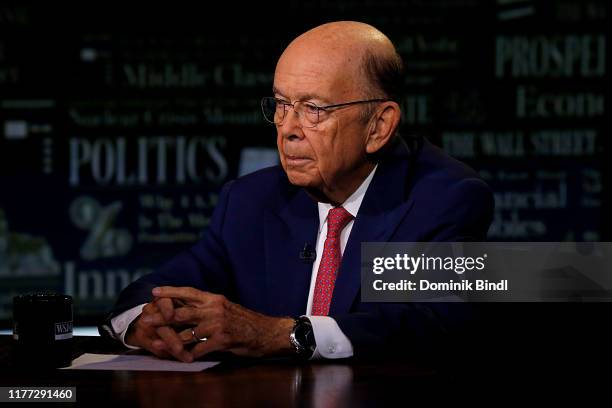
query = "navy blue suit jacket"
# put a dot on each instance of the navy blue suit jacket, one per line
(250, 252)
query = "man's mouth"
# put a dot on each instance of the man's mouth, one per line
(297, 160)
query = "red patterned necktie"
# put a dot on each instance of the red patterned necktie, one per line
(337, 218)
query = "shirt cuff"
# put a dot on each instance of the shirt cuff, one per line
(121, 323)
(331, 341)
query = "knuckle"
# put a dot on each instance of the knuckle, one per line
(225, 313)
(164, 304)
(215, 300)
(180, 314)
(219, 302)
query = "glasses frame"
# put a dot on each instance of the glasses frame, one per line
(325, 108)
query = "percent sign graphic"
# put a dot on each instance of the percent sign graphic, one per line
(103, 240)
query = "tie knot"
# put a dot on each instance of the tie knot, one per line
(337, 218)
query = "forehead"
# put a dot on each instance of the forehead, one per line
(310, 72)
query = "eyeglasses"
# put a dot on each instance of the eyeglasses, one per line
(309, 114)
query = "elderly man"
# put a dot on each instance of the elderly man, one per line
(278, 270)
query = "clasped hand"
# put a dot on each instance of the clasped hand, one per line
(165, 326)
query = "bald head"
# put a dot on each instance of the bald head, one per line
(355, 50)
(346, 36)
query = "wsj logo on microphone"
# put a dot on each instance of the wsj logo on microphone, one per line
(63, 330)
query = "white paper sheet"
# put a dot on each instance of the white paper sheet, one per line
(89, 361)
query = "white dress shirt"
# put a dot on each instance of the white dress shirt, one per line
(331, 341)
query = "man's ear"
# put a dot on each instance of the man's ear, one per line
(382, 126)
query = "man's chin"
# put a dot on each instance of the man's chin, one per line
(300, 179)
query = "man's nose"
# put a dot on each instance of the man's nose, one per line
(291, 128)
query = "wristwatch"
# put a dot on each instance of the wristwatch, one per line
(302, 338)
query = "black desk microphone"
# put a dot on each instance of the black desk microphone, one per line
(308, 254)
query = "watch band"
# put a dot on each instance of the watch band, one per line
(294, 342)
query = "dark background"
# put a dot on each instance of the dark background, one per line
(120, 123)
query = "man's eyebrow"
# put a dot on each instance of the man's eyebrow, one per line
(303, 96)
(311, 97)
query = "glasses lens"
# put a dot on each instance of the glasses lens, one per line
(273, 112)
(310, 114)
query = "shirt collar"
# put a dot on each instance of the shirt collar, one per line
(352, 203)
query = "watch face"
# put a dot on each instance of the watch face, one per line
(305, 336)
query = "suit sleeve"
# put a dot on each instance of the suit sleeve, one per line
(426, 330)
(203, 266)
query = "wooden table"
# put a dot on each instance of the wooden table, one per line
(235, 383)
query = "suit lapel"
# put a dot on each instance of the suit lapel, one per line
(286, 232)
(382, 209)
